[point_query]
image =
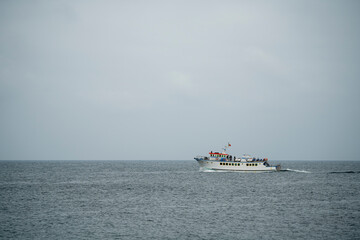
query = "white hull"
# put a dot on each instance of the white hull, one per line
(236, 166)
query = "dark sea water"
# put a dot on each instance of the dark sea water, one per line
(173, 200)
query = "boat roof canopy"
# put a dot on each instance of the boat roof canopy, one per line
(217, 153)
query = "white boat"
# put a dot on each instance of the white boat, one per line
(224, 162)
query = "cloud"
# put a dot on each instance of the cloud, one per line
(182, 83)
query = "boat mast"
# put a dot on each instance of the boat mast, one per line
(225, 148)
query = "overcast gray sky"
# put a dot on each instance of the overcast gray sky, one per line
(174, 79)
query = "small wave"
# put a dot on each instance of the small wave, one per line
(294, 170)
(347, 172)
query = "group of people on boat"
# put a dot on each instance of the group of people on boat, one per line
(226, 157)
(231, 158)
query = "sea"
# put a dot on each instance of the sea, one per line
(175, 200)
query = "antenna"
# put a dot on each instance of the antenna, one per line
(225, 148)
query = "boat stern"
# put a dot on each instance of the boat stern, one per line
(278, 167)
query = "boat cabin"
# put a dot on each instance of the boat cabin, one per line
(219, 155)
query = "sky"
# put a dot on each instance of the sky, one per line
(169, 80)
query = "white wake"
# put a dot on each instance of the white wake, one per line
(295, 170)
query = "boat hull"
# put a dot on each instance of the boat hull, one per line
(236, 166)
